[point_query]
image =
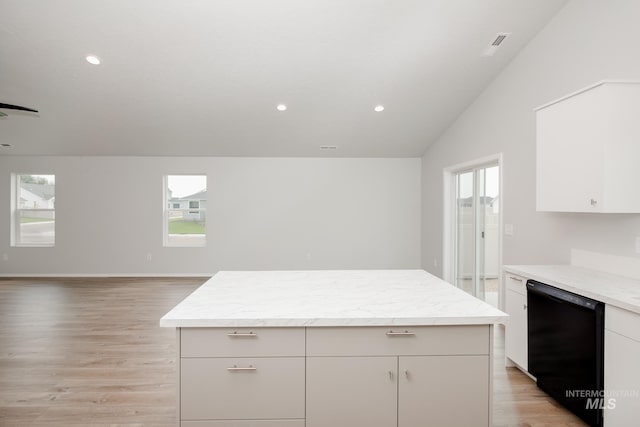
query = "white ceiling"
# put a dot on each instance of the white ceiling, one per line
(203, 77)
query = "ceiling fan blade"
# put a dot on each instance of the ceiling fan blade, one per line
(17, 107)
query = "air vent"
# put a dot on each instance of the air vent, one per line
(499, 39)
(328, 147)
(495, 44)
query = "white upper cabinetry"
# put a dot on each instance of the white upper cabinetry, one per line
(588, 150)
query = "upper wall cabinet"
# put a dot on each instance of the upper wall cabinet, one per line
(588, 150)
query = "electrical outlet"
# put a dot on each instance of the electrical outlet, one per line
(149, 256)
(5, 257)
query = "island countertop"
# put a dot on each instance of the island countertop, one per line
(329, 298)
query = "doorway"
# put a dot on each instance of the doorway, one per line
(475, 231)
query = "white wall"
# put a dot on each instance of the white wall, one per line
(263, 213)
(587, 41)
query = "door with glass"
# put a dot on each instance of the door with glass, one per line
(476, 248)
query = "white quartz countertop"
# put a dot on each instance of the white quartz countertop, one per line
(329, 298)
(619, 291)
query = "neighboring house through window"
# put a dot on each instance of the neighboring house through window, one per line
(33, 214)
(185, 210)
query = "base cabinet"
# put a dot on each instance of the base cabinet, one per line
(516, 329)
(621, 374)
(621, 399)
(237, 388)
(347, 376)
(405, 391)
(448, 391)
(351, 391)
(423, 382)
(242, 377)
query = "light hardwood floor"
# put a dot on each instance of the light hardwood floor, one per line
(89, 352)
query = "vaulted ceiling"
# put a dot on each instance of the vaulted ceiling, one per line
(204, 77)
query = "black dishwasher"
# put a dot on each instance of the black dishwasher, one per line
(566, 348)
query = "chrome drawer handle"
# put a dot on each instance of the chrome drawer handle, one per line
(242, 334)
(400, 334)
(235, 368)
(515, 278)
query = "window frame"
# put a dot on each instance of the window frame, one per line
(17, 211)
(168, 209)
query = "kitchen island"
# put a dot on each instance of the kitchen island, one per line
(333, 348)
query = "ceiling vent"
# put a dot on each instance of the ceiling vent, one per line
(328, 147)
(495, 44)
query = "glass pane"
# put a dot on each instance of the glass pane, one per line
(37, 192)
(186, 210)
(464, 232)
(36, 228)
(490, 212)
(35, 214)
(480, 235)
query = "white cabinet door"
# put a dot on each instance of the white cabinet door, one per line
(450, 391)
(587, 146)
(569, 167)
(516, 328)
(351, 391)
(621, 373)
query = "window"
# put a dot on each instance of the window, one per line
(185, 216)
(194, 204)
(33, 215)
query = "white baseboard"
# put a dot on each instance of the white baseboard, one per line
(612, 264)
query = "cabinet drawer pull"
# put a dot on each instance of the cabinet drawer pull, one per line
(400, 334)
(235, 368)
(242, 334)
(516, 279)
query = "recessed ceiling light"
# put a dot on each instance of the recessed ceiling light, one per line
(379, 108)
(281, 107)
(92, 59)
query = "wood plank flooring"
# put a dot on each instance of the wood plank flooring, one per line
(89, 352)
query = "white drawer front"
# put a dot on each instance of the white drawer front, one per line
(244, 423)
(242, 388)
(242, 342)
(391, 341)
(515, 283)
(622, 321)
